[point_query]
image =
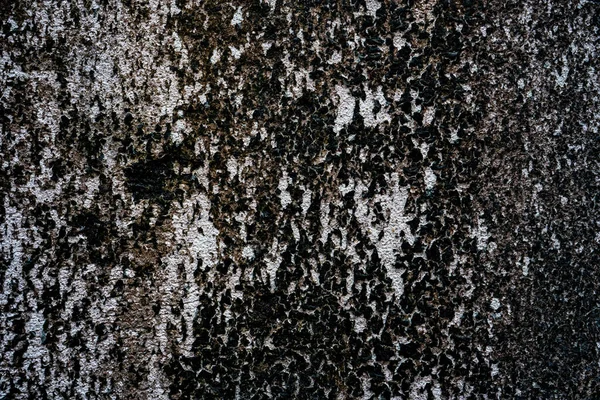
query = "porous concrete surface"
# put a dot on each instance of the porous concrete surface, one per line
(392, 199)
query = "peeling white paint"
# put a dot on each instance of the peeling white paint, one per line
(273, 262)
(306, 200)
(495, 304)
(393, 203)
(284, 197)
(367, 106)
(238, 17)
(561, 78)
(235, 52)
(430, 178)
(193, 228)
(372, 7)
(480, 232)
(345, 110)
(336, 57)
(216, 56)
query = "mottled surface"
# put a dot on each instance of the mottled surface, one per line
(318, 199)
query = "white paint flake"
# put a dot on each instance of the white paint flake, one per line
(430, 178)
(367, 106)
(481, 234)
(273, 262)
(561, 78)
(372, 7)
(324, 217)
(266, 46)
(428, 116)
(216, 56)
(399, 41)
(12, 249)
(495, 304)
(306, 200)
(248, 252)
(418, 388)
(284, 196)
(360, 324)
(236, 53)
(238, 17)
(232, 167)
(335, 58)
(345, 111)
(192, 228)
(394, 204)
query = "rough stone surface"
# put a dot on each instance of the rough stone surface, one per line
(389, 199)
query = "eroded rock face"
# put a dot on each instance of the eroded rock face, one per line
(370, 199)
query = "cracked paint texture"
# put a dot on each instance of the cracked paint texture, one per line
(388, 199)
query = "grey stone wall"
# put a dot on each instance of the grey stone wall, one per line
(317, 199)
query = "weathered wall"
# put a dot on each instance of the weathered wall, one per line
(317, 199)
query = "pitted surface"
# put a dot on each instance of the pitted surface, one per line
(353, 199)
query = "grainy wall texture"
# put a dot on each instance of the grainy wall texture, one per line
(391, 199)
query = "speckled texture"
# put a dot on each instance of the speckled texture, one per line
(312, 200)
